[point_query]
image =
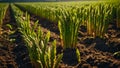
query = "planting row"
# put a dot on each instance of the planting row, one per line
(41, 55)
(95, 16)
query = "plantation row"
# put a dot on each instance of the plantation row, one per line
(41, 54)
(96, 16)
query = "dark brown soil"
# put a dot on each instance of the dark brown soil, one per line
(7, 57)
(95, 52)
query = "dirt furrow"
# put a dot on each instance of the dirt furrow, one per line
(7, 58)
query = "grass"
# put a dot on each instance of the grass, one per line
(41, 55)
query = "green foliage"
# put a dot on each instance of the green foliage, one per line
(95, 15)
(98, 20)
(38, 49)
(68, 26)
(78, 55)
(41, 55)
(48, 57)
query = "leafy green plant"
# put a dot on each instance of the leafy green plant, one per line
(98, 20)
(40, 51)
(48, 57)
(68, 26)
(41, 55)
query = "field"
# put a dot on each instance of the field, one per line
(80, 34)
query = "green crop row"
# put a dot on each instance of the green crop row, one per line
(95, 15)
(41, 55)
